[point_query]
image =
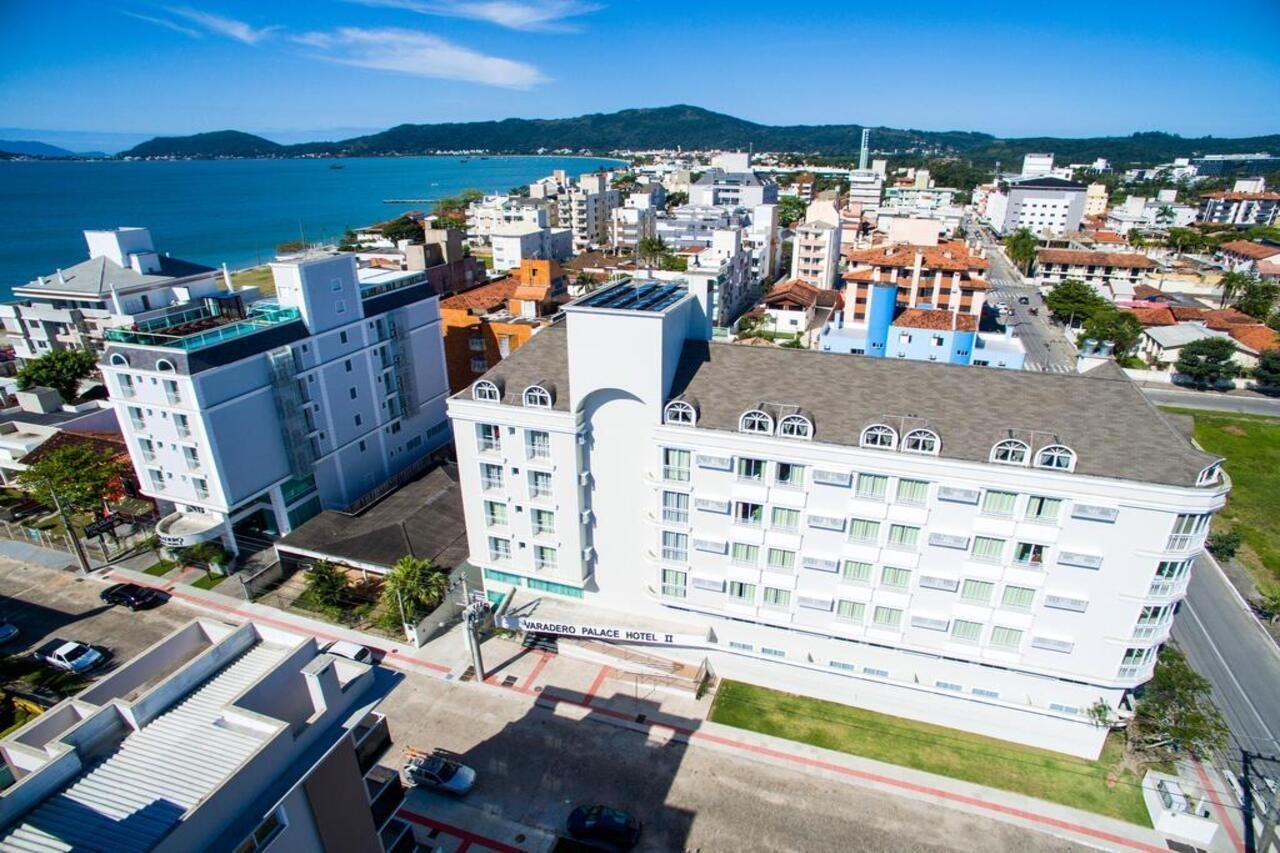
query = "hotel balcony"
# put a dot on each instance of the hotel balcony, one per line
(206, 325)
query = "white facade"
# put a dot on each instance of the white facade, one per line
(721, 188)
(632, 222)
(585, 209)
(1150, 213)
(305, 404)
(1042, 205)
(515, 243)
(496, 213)
(1001, 597)
(815, 253)
(1095, 199)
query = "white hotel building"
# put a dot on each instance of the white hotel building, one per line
(973, 548)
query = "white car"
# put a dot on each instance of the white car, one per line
(350, 651)
(434, 771)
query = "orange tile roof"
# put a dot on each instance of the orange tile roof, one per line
(532, 292)
(1184, 312)
(796, 290)
(1126, 260)
(1156, 316)
(951, 256)
(1230, 196)
(936, 318)
(1256, 337)
(1224, 319)
(1108, 237)
(486, 297)
(1146, 291)
(1250, 249)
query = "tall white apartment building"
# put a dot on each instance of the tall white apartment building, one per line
(973, 548)
(762, 239)
(585, 210)
(815, 252)
(1048, 205)
(495, 213)
(525, 242)
(722, 276)
(732, 189)
(124, 281)
(634, 221)
(245, 419)
(1096, 199)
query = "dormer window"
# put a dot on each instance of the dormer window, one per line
(1057, 457)
(537, 397)
(922, 441)
(756, 421)
(486, 392)
(796, 426)
(679, 412)
(118, 360)
(880, 437)
(1011, 452)
(1210, 475)
(164, 365)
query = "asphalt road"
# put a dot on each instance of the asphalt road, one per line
(1211, 401)
(1224, 644)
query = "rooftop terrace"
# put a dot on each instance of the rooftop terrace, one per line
(196, 328)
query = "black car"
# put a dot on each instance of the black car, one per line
(1024, 300)
(133, 596)
(601, 823)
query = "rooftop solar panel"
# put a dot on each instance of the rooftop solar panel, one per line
(648, 296)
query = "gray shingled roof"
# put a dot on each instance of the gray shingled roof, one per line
(1101, 415)
(98, 276)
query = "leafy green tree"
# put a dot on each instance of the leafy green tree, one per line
(1185, 240)
(81, 478)
(1208, 361)
(1021, 247)
(1223, 543)
(415, 585)
(326, 584)
(1108, 323)
(1258, 298)
(674, 263)
(403, 228)
(1233, 284)
(1175, 714)
(1073, 300)
(1273, 322)
(469, 195)
(791, 209)
(677, 199)
(651, 249)
(1267, 372)
(59, 369)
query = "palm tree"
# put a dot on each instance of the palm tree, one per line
(1165, 215)
(1233, 284)
(1021, 246)
(651, 249)
(413, 588)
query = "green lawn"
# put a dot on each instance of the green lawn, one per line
(1251, 446)
(161, 568)
(1038, 773)
(208, 581)
(259, 277)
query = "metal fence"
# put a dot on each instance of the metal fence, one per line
(123, 540)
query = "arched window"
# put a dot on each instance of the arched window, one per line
(1011, 452)
(1210, 475)
(537, 397)
(922, 441)
(486, 392)
(1057, 457)
(879, 435)
(164, 365)
(756, 421)
(679, 412)
(796, 426)
(118, 359)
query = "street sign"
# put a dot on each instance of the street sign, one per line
(102, 525)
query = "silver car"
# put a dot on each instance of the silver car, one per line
(434, 771)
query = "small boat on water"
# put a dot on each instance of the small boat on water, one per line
(464, 160)
(336, 166)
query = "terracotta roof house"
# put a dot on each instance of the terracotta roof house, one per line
(949, 275)
(1154, 316)
(1116, 275)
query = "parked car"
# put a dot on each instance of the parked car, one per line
(133, 596)
(601, 823)
(8, 632)
(70, 656)
(350, 651)
(436, 771)
(1024, 300)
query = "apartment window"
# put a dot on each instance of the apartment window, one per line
(339, 306)
(887, 617)
(537, 444)
(346, 364)
(171, 391)
(266, 832)
(544, 557)
(183, 425)
(490, 437)
(675, 507)
(1010, 452)
(352, 392)
(977, 591)
(499, 549)
(1057, 457)
(742, 591)
(999, 503)
(903, 537)
(1186, 531)
(479, 364)
(856, 571)
(539, 484)
(751, 469)
(675, 546)
(357, 420)
(748, 513)
(1135, 660)
(891, 576)
(779, 599)
(781, 560)
(965, 631)
(914, 492)
(495, 514)
(126, 385)
(773, 653)
(1018, 597)
(475, 343)
(987, 549)
(674, 583)
(157, 478)
(1029, 554)
(851, 611)
(1006, 638)
(202, 487)
(1043, 509)
(743, 554)
(675, 465)
(544, 521)
(863, 530)
(135, 418)
(921, 441)
(785, 519)
(788, 474)
(872, 486)
(342, 338)
(741, 647)
(490, 477)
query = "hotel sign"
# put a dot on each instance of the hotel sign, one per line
(610, 633)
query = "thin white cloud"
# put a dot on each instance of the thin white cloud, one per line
(529, 15)
(164, 22)
(418, 54)
(223, 26)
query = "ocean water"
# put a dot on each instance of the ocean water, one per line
(227, 211)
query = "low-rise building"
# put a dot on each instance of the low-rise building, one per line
(720, 188)
(634, 221)
(798, 308)
(1245, 255)
(1096, 199)
(218, 737)
(124, 281)
(494, 213)
(1239, 208)
(1113, 274)
(1150, 214)
(952, 545)
(514, 244)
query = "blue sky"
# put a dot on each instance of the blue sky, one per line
(330, 68)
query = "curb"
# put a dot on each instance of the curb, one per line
(1243, 602)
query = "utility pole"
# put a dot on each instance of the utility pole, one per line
(1269, 825)
(76, 547)
(472, 614)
